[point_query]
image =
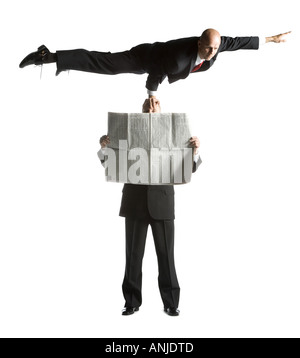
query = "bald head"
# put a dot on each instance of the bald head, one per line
(208, 44)
(210, 35)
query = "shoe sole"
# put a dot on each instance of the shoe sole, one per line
(129, 314)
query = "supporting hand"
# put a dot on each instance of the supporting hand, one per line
(151, 105)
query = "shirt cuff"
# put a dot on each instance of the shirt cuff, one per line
(103, 153)
(196, 157)
(262, 40)
(151, 93)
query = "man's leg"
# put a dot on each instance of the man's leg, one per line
(106, 63)
(136, 233)
(163, 233)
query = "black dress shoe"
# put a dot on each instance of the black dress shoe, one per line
(129, 310)
(35, 58)
(171, 311)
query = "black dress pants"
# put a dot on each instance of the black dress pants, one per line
(163, 234)
(106, 63)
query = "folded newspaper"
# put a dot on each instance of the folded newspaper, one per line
(148, 148)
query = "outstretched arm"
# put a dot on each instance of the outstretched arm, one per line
(249, 43)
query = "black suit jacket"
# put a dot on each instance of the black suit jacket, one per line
(157, 200)
(139, 200)
(175, 59)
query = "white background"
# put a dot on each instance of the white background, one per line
(62, 250)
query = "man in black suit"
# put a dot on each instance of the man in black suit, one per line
(144, 205)
(174, 59)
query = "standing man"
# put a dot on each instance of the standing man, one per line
(174, 59)
(144, 205)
